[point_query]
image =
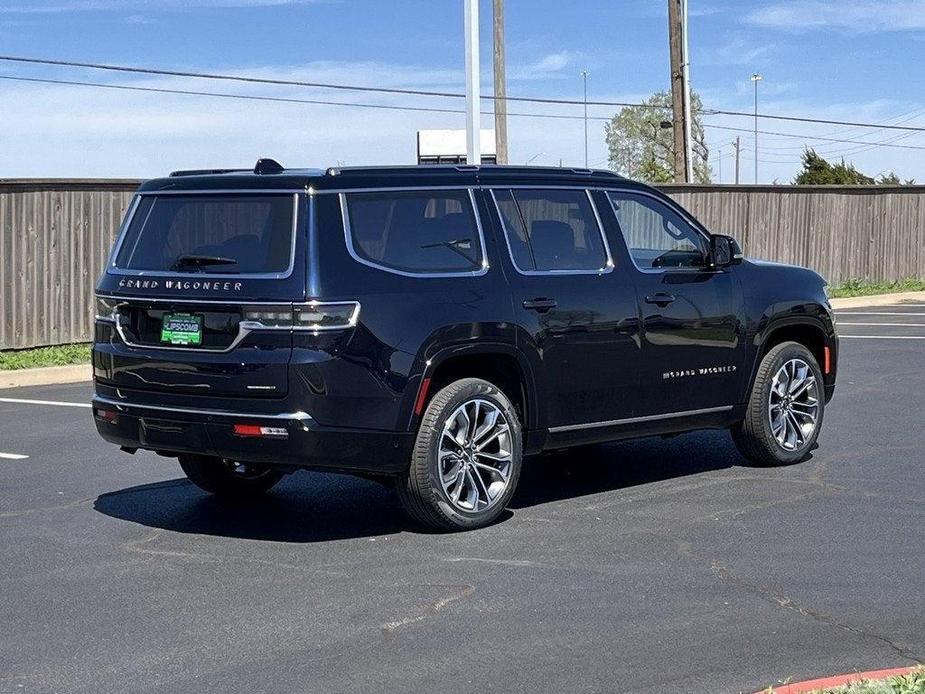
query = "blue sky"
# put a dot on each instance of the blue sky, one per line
(851, 59)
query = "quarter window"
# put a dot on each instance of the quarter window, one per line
(657, 236)
(552, 230)
(419, 232)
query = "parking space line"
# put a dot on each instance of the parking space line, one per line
(55, 403)
(881, 337)
(12, 456)
(890, 325)
(879, 313)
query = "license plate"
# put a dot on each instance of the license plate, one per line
(181, 329)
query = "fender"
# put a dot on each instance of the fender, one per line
(535, 417)
(813, 316)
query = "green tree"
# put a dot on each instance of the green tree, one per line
(817, 171)
(640, 148)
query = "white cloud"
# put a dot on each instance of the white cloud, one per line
(858, 16)
(546, 67)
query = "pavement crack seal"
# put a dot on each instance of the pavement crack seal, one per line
(43, 509)
(784, 602)
(458, 592)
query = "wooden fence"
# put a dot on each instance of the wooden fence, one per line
(55, 236)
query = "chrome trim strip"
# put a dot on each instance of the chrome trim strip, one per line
(608, 266)
(244, 329)
(227, 191)
(120, 404)
(639, 420)
(165, 300)
(348, 236)
(112, 269)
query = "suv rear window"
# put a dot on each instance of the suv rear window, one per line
(418, 232)
(220, 234)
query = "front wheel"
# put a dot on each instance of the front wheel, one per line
(785, 408)
(228, 478)
(466, 459)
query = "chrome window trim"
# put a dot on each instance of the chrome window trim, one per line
(639, 420)
(226, 191)
(609, 265)
(348, 236)
(121, 405)
(112, 269)
(674, 208)
(245, 327)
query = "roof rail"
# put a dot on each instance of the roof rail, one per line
(204, 172)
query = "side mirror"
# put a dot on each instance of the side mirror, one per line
(724, 251)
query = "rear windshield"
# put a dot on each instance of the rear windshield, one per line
(218, 234)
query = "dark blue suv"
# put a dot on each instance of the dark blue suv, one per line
(430, 326)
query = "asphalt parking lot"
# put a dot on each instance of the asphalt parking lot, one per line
(647, 566)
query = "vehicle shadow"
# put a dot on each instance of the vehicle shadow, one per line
(316, 507)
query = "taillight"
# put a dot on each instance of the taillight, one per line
(109, 416)
(313, 316)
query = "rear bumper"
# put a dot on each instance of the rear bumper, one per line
(174, 430)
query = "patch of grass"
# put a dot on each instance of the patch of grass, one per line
(44, 356)
(913, 683)
(858, 287)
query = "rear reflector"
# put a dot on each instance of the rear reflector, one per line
(259, 431)
(827, 359)
(110, 416)
(422, 396)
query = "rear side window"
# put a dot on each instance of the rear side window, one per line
(219, 234)
(416, 232)
(552, 231)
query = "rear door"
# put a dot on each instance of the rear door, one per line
(578, 315)
(692, 315)
(200, 291)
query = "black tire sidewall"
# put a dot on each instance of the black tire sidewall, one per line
(463, 391)
(777, 358)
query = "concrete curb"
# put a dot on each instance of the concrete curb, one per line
(51, 375)
(878, 300)
(837, 681)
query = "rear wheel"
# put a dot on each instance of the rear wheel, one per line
(228, 478)
(785, 408)
(466, 460)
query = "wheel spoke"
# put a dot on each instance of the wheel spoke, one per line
(501, 429)
(491, 418)
(492, 470)
(480, 488)
(501, 456)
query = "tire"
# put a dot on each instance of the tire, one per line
(430, 492)
(796, 410)
(227, 479)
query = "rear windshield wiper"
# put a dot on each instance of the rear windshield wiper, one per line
(458, 246)
(201, 261)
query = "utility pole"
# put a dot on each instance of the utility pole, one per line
(473, 105)
(501, 152)
(686, 78)
(756, 78)
(720, 165)
(738, 146)
(584, 76)
(675, 39)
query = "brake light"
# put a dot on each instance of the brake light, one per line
(110, 416)
(256, 430)
(313, 316)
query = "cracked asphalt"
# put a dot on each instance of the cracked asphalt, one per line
(647, 566)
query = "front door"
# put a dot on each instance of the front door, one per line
(578, 315)
(691, 314)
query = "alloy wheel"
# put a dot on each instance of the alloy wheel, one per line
(793, 404)
(475, 455)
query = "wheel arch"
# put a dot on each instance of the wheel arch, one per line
(808, 331)
(501, 364)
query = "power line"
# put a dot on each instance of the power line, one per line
(279, 99)
(813, 137)
(425, 92)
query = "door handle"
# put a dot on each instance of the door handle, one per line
(659, 299)
(540, 305)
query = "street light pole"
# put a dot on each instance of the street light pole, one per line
(756, 78)
(473, 105)
(584, 76)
